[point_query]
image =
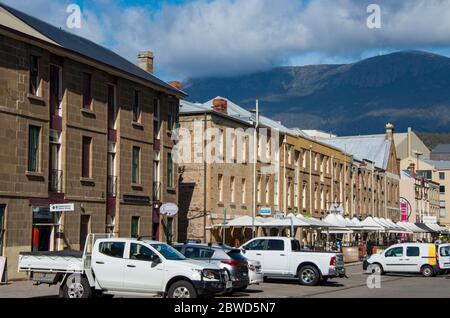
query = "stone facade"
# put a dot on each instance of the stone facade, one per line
(106, 200)
(312, 178)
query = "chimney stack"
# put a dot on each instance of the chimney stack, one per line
(412, 168)
(220, 105)
(145, 60)
(176, 84)
(389, 131)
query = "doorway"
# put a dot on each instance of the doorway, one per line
(85, 229)
(43, 230)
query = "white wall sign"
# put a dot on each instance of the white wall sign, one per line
(66, 207)
(429, 219)
(337, 209)
(168, 209)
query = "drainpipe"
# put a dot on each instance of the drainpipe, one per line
(204, 176)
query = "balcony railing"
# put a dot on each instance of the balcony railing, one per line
(112, 186)
(55, 181)
(156, 190)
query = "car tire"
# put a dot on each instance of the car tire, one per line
(76, 287)
(427, 271)
(181, 289)
(377, 269)
(308, 275)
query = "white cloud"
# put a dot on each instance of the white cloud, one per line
(226, 37)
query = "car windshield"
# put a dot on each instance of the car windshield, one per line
(168, 252)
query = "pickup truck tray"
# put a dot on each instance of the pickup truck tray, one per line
(58, 261)
(65, 253)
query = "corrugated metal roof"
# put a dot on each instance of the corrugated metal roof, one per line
(442, 148)
(375, 148)
(88, 48)
(439, 165)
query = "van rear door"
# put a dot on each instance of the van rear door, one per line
(444, 256)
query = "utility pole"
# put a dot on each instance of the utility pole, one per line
(204, 176)
(255, 160)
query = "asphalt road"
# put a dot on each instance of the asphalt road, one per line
(391, 286)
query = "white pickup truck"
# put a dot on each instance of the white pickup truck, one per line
(281, 257)
(121, 266)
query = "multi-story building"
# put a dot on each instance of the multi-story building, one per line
(79, 125)
(439, 173)
(378, 172)
(312, 177)
(419, 196)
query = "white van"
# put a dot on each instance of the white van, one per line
(444, 257)
(411, 258)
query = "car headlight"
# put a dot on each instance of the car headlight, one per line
(210, 274)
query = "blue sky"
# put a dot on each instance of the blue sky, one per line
(192, 38)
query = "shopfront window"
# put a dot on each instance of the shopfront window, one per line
(44, 229)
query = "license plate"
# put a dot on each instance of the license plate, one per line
(229, 284)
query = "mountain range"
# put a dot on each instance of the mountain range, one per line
(409, 89)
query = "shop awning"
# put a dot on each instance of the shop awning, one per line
(426, 228)
(412, 227)
(437, 227)
(286, 222)
(244, 221)
(313, 222)
(369, 224)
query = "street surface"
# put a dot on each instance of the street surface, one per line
(392, 286)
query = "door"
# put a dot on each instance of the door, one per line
(84, 230)
(275, 257)
(254, 250)
(108, 265)
(394, 261)
(413, 260)
(141, 273)
(444, 256)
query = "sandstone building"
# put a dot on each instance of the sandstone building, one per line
(79, 124)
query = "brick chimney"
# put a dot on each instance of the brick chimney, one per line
(220, 105)
(176, 84)
(412, 169)
(145, 61)
(389, 131)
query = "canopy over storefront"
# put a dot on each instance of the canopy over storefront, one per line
(411, 227)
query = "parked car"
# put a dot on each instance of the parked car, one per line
(228, 258)
(411, 258)
(281, 257)
(121, 266)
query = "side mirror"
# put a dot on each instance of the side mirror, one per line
(243, 249)
(155, 259)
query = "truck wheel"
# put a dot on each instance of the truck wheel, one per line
(76, 287)
(427, 271)
(182, 289)
(309, 275)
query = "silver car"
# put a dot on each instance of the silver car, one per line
(225, 257)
